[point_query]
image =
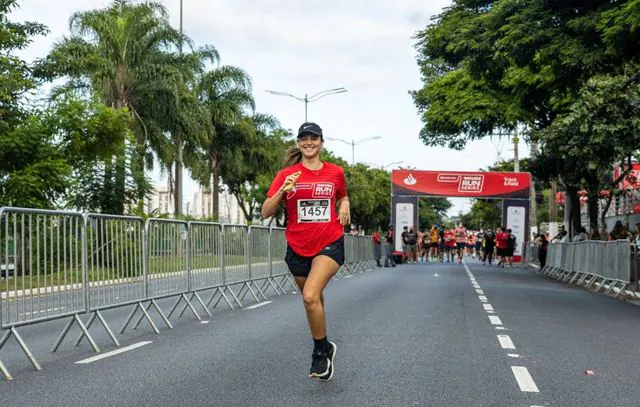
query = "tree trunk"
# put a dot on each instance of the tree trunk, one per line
(593, 209)
(120, 182)
(553, 208)
(603, 216)
(215, 191)
(573, 218)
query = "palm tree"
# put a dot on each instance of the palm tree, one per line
(226, 95)
(126, 55)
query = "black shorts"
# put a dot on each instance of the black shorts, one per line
(300, 266)
(509, 251)
(501, 252)
(435, 245)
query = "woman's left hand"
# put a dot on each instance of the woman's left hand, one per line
(344, 212)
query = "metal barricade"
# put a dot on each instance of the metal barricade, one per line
(278, 268)
(235, 260)
(166, 270)
(45, 251)
(260, 269)
(115, 266)
(603, 265)
(205, 263)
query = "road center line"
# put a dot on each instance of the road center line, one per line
(524, 379)
(480, 292)
(506, 342)
(113, 353)
(495, 320)
(488, 307)
(260, 304)
(482, 298)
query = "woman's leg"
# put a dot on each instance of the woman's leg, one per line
(323, 268)
(300, 283)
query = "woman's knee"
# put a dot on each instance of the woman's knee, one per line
(311, 299)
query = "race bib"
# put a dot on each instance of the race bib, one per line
(314, 210)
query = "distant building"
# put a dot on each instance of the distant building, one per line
(161, 202)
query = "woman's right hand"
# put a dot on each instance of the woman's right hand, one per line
(290, 182)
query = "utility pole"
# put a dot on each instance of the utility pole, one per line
(533, 205)
(516, 158)
(178, 181)
(553, 208)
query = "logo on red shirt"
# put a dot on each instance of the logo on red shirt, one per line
(323, 190)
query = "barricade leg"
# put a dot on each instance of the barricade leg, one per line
(601, 285)
(197, 297)
(268, 282)
(274, 284)
(158, 310)
(13, 331)
(583, 279)
(235, 297)
(183, 297)
(246, 289)
(223, 296)
(257, 287)
(145, 314)
(612, 285)
(623, 288)
(75, 318)
(98, 315)
(5, 372)
(592, 281)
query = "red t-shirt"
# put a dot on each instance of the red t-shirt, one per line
(501, 240)
(461, 234)
(449, 238)
(311, 209)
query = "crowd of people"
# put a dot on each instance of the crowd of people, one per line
(452, 244)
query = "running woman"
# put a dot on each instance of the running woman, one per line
(312, 190)
(450, 244)
(461, 240)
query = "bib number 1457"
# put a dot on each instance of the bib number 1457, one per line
(314, 210)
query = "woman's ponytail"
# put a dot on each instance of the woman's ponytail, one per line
(292, 156)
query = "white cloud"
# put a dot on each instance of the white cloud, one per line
(308, 46)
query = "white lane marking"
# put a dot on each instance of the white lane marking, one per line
(495, 320)
(204, 322)
(482, 298)
(513, 355)
(501, 328)
(524, 379)
(260, 304)
(480, 292)
(349, 276)
(506, 342)
(488, 307)
(294, 292)
(113, 353)
(476, 285)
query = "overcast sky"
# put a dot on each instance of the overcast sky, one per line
(300, 46)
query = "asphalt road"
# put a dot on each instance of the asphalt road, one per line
(415, 335)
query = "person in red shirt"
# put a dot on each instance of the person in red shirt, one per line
(502, 239)
(317, 205)
(461, 240)
(377, 246)
(449, 244)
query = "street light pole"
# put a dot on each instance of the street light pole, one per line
(353, 144)
(308, 99)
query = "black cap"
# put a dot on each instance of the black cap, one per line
(309, 128)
